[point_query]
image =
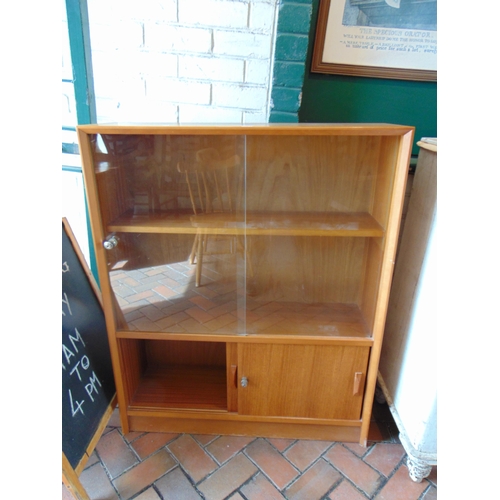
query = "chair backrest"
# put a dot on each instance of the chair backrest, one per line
(213, 181)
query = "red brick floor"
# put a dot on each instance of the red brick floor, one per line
(163, 466)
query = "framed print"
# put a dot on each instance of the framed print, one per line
(377, 38)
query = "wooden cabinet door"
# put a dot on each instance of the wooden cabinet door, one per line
(308, 381)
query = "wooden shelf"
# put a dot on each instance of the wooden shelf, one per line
(182, 386)
(256, 223)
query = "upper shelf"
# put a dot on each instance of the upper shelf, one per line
(254, 223)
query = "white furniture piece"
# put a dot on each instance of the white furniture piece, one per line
(407, 370)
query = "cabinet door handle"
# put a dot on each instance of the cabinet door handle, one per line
(358, 377)
(110, 242)
(244, 381)
(234, 375)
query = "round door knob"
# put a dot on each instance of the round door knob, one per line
(244, 382)
(110, 242)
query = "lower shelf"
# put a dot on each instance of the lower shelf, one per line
(182, 387)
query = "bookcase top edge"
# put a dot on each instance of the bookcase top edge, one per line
(254, 129)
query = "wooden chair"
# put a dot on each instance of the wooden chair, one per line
(215, 188)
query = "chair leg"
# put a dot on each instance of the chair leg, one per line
(199, 259)
(193, 250)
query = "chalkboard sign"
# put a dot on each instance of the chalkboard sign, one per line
(88, 387)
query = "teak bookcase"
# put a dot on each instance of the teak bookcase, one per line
(245, 272)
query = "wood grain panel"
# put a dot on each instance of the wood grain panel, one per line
(373, 267)
(300, 381)
(133, 358)
(113, 197)
(318, 174)
(232, 376)
(306, 270)
(387, 161)
(182, 386)
(171, 352)
(174, 374)
(214, 424)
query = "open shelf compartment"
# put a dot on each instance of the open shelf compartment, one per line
(175, 374)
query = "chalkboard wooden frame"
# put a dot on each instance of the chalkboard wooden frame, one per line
(82, 304)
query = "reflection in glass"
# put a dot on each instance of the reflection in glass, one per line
(227, 234)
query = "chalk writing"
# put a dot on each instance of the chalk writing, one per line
(78, 364)
(66, 303)
(87, 375)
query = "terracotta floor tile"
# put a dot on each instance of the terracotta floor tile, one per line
(114, 420)
(174, 319)
(228, 478)
(97, 484)
(176, 485)
(152, 441)
(346, 491)
(349, 464)
(203, 302)
(220, 322)
(281, 444)
(272, 463)
(303, 453)
(164, 291)
(149, 494)
(204, 439)
(115, 454)
(314, 483)
(199, 314)
(194, 326)
(144, 474)
(385, 457)
(152, 313)
(430, 494)
(93, 459)
(225, 447)
(132, 436)
(139, 296)
(432, 477)
(146, 325)
(260, 488)
(193, 458)
(236, 496)
(357, 448)
(223, 309)
(401, 487)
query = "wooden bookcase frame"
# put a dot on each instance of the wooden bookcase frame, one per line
(305, 383)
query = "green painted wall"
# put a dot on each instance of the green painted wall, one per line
(338, 98)
(292, 39)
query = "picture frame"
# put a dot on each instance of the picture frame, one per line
(394, 39)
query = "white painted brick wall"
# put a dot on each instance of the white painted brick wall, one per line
(177, 39)
(211, 68)
(238, 96)
(182, 61)
(242, 44)
(216, 13)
